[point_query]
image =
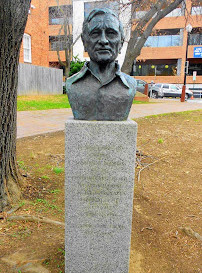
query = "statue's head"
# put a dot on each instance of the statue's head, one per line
(102, 35)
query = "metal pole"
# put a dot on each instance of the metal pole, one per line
(146, 88)
(185, 72)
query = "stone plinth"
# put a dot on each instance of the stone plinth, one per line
(100, 163)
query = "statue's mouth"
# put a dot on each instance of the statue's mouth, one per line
(104, 50)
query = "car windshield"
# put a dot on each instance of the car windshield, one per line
(174, 87)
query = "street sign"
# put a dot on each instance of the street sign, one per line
(198, 52)
(194, 75)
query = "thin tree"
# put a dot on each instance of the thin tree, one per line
(13, 18)
(65, 38)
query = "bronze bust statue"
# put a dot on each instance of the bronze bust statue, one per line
(100, 91)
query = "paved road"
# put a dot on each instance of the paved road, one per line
(31, 123)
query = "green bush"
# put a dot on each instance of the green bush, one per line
(75, 66)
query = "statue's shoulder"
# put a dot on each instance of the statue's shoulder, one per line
(130, 80)
(74, 78)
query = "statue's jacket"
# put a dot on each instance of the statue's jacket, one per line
(92, 100)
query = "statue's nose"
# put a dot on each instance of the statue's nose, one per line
(103, 40)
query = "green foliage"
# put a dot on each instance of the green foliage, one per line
(55, 191)
(58, 170)
(21, 203)
(75, 65)
(44, 205)
(62, 251)
(45, 177)
(160, 140)
(21, 164)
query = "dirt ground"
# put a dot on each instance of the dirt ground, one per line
(166, 230)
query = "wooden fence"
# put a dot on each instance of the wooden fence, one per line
(38, 80)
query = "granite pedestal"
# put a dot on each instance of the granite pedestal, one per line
(99, 183)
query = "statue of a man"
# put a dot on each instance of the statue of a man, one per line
(100, 91)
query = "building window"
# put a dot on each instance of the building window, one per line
(195, 37)
(195, 65)
(164, 38)
(88, 6)
(175, 13)
(196, 7)
(60, 42)
(27, 48)
(138, 14)
(57, 14)
(156, 68)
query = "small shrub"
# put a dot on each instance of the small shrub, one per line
(160, 140)
(58, 170)
(55, 191)
(75, 65)
(21, 164)
(45, 177)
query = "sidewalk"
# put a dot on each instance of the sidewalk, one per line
(31, 123)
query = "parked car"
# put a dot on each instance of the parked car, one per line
(197, 92)
(161, 90)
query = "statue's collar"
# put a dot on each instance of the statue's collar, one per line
(118, 72)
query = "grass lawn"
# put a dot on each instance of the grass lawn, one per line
(45, 102)
(42, 102)
(186, 114)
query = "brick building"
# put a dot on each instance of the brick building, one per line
(43, 32)
(35, 45)
(162, 58)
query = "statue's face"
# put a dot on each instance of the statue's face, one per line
(104, 38)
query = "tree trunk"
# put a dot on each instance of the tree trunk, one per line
(129, 57)
(67, 69)
(13, 17)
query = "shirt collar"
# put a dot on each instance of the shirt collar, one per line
(118, 72)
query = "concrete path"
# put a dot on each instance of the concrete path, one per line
(31, 123)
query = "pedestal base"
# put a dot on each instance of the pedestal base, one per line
(100, 166)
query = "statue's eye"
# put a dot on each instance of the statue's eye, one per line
(111, 33)
(94, 33)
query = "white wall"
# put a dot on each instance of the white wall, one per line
(78, 18)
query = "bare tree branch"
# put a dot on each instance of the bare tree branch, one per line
(58, 50)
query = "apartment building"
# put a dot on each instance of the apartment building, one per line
(44, 33)
(35, 45)
(162, 58)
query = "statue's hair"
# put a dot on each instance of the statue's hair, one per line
(95, 12)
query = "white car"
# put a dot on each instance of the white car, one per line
(161, 90)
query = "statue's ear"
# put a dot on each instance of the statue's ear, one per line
(84, 42)
(120, 46)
